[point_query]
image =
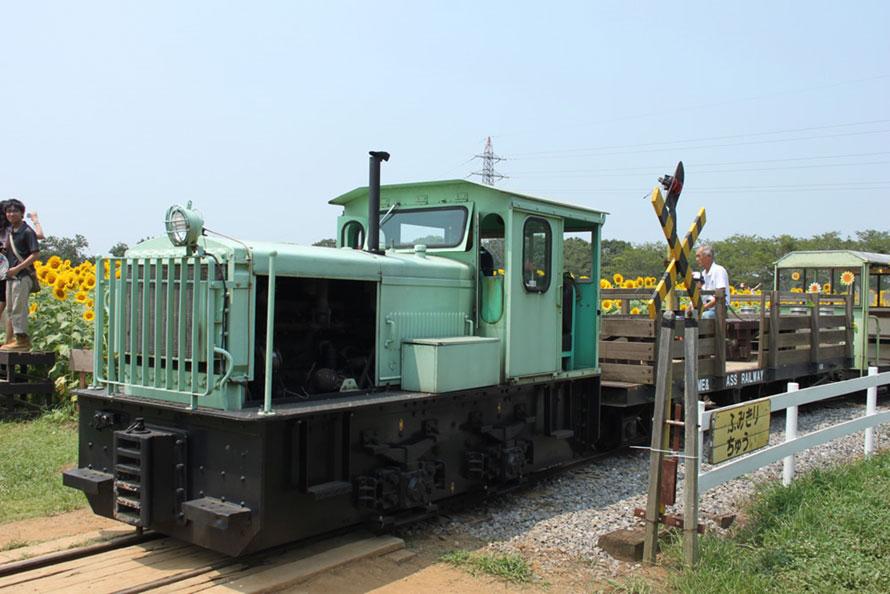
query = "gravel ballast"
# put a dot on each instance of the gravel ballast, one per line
(562, 518)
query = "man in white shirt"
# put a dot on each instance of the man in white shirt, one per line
(715, 277)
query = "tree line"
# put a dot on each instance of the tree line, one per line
(747, 258)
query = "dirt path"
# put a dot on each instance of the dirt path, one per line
(37, 530)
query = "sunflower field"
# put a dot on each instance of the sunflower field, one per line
(62, 315)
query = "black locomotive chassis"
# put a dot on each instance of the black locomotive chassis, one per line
(238, 482)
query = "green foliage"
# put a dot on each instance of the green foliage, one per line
(32, 454)
(119, 249)
(66, 248)
(326, 243)
(577, 257)
(827, 532)
(507, 566)
(59, 326)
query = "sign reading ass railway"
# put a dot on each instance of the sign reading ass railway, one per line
(739, 430)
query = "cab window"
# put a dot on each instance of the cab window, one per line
(433, 227)
(536, 255)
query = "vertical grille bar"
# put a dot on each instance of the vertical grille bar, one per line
(132, 283)
(121, 302)
(168, 335)
(180, 344)
(196, 343)
(146, 318)
(156, 325)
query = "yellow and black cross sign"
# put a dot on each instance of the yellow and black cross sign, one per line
(680, 265)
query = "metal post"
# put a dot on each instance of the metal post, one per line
(270, 335)
(656, 455)
(871, 407)
(701, 434)
(790, 435)
(691, 463)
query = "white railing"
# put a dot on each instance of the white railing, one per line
(793, 444)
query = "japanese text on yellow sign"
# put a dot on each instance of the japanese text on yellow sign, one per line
(739, 430)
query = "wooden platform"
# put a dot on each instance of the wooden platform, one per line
(170, 565)
(17, 383)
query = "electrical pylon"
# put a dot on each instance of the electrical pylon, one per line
(488, 174)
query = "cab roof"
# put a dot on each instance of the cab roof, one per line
(474, 191)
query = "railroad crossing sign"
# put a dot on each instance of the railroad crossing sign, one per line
(666, 210)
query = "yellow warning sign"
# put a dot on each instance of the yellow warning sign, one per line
(739, 430)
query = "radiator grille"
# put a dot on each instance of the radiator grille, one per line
(163, 322)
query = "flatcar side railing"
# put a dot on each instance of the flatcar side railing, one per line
(817, 329)
(158, 330)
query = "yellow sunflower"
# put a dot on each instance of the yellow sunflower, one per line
(50, 277)
(59, 293)
(33, 308)
(629, 284)
(826, 288)
(618, 279)
(608, 304)
(81, 297)
(605, 284)
(89, 315)
(90, 303)
(635, 311)
(54, 262)
(847, 278)
(650, 282)
(795, 276)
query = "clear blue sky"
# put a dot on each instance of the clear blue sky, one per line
(260, 112)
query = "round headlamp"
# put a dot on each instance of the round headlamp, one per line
(184, 225)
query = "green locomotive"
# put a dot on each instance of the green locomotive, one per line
(253, 393)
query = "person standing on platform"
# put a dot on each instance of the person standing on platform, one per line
(715, 277)
(22, 251)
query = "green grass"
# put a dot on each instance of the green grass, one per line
(509, 567)
(32, 457)
(827, 532)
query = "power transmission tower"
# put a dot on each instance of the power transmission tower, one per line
(488, 174)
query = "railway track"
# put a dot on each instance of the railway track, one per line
(154, 563)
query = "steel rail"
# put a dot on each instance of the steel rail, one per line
(78, 553)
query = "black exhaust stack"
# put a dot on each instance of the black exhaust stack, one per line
(374, 201)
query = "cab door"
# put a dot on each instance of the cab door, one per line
(534, 306)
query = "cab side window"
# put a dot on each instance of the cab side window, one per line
(536, 255)
(353, 235)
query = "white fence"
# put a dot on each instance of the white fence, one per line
(793, 444)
